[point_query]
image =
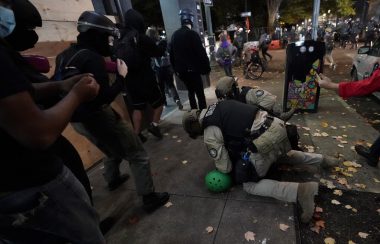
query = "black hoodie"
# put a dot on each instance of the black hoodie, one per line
(147, 48)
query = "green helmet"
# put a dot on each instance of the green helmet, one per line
(227, 88)
(217, 181)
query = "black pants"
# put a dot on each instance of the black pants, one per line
(194, 84)
(265, 53)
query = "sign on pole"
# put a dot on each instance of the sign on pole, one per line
(208, 2)
(246, 14)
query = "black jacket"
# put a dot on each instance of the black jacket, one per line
(187, 53)
(147, 48)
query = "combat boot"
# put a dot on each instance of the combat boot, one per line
(305, 197)
(154, 200)
(329, 162)
(366, 153)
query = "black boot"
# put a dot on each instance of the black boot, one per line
(365, 152)
(143, 139)
(116, 183)
(154, 200)
(155, 130)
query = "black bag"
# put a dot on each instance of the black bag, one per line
(64, 70)
(127, 49)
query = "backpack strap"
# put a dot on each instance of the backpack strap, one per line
(74, 56)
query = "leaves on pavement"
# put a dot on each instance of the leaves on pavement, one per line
(335, 202)
(363, 235)
(249, 236)
(329, 240)
(284, 227)
(209, 229)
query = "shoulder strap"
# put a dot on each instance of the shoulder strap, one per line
(74, 56)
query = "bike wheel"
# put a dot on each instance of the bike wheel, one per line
(254, 71)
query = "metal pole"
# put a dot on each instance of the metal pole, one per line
(208, 20)
(317, 4)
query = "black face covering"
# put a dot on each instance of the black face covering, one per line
(22, 39)
(95, 40)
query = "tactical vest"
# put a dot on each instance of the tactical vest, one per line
(234, 119)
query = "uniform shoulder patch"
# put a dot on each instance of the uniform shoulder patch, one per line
(259, 93)
(212, 152)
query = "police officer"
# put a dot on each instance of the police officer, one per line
(97, 121)
(262, 140)
(189, 59)
(228, 88)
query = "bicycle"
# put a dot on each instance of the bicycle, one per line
(256, 65)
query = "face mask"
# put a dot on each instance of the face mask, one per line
(7, 21)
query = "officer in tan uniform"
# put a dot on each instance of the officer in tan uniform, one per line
(232, 128)
(228, 88)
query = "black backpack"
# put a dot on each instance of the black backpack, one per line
(63, 69)
(127, 49)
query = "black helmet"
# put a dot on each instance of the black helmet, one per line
(26, 14)
(93, 20)
(187, 16)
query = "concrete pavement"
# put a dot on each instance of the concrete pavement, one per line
(179, 165)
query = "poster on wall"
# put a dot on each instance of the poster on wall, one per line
(303, 61)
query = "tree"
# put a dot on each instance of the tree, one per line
(295, 11)
(273, 6)
(345, 7)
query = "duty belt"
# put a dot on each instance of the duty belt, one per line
(264, 127)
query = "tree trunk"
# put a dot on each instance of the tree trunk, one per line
(273, 7)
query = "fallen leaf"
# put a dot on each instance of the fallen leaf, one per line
(284, 227)
(352, 148)
(333, 127)
(363, 235)
(329, 240)
(166, 134)
(351, 164)
(179, 140)
(133, 220)
(209, 229)
(352, 169)
(335, 202)
(340, 145)
(168, 204)
(338, 192)
(346, 174)
(324, 124)
(343, 142)
(319, 210)
(324, 134)
(369, 144)
(333, 177)
(362, 186)
(348, 207)
(354, 210)
(342, 181)
(174, 137)
(184, 161)
(376, 180)
(345, 136)
(343, 126)
(249, 236)
(351, 242)
(306, 128)
(317, 135)
(306, 134)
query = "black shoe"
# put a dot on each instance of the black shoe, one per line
(116, 183)
(179, 104)
(106, 224)
(154, 200)
(364, 152)
(143, 139)
(155, 130)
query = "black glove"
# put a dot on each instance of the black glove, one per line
(248, 143)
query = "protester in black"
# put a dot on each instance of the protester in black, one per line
(189, 59)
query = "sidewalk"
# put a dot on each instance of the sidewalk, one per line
(179, 165)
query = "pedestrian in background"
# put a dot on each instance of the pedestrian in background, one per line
(225, 55)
